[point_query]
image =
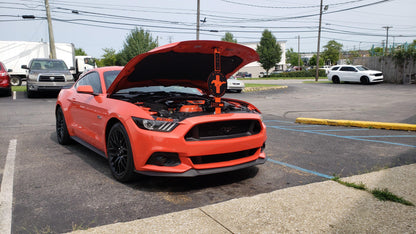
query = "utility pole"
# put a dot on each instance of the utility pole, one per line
(197, 19)
(299, 51)
(52, 51)
(319, 42)
(387, 37)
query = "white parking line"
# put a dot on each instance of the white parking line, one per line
(6, 192)
(14, 95)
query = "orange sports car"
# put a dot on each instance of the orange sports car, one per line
(163, 113)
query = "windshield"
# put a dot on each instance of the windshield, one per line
(362, 68)
(165, 89)
(51, 65)
(110, 76)
(89, 61)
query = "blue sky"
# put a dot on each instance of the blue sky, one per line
(93, 25)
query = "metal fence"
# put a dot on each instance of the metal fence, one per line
(393, 73)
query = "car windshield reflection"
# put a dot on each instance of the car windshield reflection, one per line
(166, 89)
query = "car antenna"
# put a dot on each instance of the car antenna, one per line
(217, 82)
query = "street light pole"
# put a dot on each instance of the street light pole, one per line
(52, 51)
(299, 51)
(197, 19)
(319, 42)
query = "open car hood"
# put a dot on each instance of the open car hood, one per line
(187, 63)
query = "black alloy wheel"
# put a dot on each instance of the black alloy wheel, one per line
(335, 80)
(61, 129)
(364, 80)
(119, 153)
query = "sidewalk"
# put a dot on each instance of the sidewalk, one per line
(319, 207)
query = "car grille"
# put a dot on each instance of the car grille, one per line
(205, 159)
(223, 130)
(378, 74)
(46, 78)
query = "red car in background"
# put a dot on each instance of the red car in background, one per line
(163, 115)
(5, 87)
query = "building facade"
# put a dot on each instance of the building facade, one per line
(255, 68)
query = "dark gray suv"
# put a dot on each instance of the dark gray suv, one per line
(47, 75)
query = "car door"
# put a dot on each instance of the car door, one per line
(87, 113)
(347, 73)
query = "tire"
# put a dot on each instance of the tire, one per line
(61, 129)
(335, 80)
(30, 94)
(239, 91)
(15, 81)
(364, 80)
(120, 155)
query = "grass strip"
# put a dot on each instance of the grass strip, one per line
(261, 85)
(283, 78)
(381, 194)
(386, 195)
(359, 186)
(19, 88)
(315, 82)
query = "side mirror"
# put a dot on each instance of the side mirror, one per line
(72, 68)
(9, 70)
(25, 67)
(87, 89)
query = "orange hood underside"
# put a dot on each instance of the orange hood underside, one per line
(187, 63)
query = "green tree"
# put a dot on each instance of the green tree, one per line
(312, 61)
(269, 51)
(80, 52)
(293, 57)
(332, 51)
(405, 52)
(109, 58)
(229, 37)
(137, 42)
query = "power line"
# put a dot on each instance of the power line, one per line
(288, 7)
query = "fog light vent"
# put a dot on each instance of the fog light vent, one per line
(164, 159)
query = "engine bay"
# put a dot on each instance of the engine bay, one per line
(180, 106)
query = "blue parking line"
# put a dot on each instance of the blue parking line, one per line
(279, 121)
(318, 132)
(300, 168)
(341, 130)
(386, 136)
(299, 126)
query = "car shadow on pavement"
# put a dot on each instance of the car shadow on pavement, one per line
(160, 184)
(43, 95)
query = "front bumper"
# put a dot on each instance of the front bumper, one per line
(196, 172)
(374, 79)
(235, 87)
(47, 86)
(192, 154)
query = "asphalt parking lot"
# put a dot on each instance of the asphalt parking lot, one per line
(62, 188)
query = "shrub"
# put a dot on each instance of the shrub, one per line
(308, 73)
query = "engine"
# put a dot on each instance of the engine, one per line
(182, 108)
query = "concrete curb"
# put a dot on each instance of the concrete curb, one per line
(360, 124)
(322, 207)
(254, 89)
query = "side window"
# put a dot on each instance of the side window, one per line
(349, 69)
(92, 79)
(334, 68)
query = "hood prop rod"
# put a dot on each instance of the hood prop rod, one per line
(217, 82)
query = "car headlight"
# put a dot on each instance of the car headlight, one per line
(33, 76)
(155, 125)
(69, 77)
